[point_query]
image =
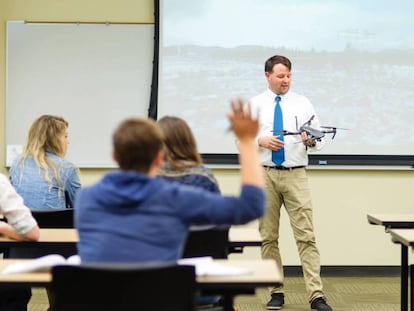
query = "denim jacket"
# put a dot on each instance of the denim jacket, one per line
(29, 181)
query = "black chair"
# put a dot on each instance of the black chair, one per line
(208, 241)
(53, 218)
(108, 287)
(213, 241)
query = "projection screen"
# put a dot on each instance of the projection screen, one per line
(353, 59)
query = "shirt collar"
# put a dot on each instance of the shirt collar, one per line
(273, 95)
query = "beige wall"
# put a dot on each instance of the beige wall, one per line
(342, 198)
(3, 6)
(78, 10)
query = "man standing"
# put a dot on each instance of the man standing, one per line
(284, 158)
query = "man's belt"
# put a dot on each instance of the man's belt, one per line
(283, 168)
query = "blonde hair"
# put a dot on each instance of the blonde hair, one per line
(45, 135)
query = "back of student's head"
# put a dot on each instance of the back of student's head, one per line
(136, 143)
(46, 133)
(179, 142)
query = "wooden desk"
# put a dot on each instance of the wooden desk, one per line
(264, 273)
(237, 237)
(406, 238)
(391, 222)
(47, 237)
(240, 237)
(51, 241)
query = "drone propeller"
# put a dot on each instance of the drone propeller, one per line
(308, 123)
(285, 132)
(333, 127)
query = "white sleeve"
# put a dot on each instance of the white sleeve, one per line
(11, 205)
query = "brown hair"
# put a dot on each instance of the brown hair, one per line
(277, 59)
(181, 147)
(136, 143)
(45, 134)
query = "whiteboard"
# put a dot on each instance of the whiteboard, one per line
(93, 75)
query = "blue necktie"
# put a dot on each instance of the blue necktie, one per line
(278, 157)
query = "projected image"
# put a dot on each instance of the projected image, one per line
(353, 59)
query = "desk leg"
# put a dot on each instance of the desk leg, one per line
(411, 287)
(404, 278)
(228, 302)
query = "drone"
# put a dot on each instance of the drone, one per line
(313, 134)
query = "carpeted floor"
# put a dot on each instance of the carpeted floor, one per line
(343, 293)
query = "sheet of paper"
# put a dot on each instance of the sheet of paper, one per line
(207, 266)
(44, 263)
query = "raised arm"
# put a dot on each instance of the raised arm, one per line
(245, 127)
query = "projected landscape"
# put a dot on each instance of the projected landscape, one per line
(357, 72)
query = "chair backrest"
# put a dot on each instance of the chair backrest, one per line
(212, 242)
(53, 218)
(145, 287)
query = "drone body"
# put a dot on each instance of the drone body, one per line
(312, 133)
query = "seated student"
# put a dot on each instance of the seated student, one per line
(182, 161)
(20, 225)
(41, 175)
(148, 218)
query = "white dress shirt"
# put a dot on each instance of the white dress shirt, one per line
(296, 110)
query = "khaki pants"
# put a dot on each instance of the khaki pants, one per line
(291, 189)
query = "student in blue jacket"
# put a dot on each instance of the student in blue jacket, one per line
(147, 218)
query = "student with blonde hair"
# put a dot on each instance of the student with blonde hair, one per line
(41, 175)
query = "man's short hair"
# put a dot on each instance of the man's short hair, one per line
(136, 143)
(277, 59)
